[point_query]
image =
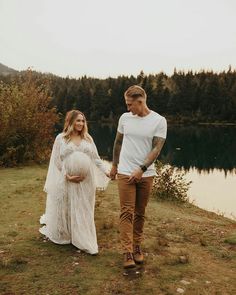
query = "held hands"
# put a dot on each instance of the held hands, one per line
(135, 176)
(107, 174)
(75, 178)
(113, 172)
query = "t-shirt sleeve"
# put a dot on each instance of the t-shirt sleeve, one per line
(161, 129)
(120, 127)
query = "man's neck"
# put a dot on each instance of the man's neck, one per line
(146, 111)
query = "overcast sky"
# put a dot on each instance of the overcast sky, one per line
(104, 38)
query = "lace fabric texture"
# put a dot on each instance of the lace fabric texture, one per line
(69, 214)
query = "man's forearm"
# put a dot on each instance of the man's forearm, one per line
(117, 148)
(116, 153)
(157, 145)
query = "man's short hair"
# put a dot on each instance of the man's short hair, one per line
(135, 92)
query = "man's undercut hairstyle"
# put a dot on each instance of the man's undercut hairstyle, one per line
(135, 92)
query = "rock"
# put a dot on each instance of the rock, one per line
(183, 259)
(76, 263)
(180, 290)
(185, 282)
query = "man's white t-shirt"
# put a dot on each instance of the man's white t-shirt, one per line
(137, 141)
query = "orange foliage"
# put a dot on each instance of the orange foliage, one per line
(26, 121)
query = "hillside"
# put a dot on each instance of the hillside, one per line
(187, 250)
(4, 70)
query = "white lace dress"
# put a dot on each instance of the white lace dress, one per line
(69, 214)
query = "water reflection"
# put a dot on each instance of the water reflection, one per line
(202, 147)
(104, 136)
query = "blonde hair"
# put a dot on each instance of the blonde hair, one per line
(135, 92)
(69, 125)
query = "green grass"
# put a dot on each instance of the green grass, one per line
(231, 239)
(182, 242)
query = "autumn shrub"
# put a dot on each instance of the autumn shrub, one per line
(27, 121)
(170, 183)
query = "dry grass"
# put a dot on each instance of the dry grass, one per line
(185, 247)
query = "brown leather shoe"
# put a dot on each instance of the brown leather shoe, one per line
(138, 255)
(128, 260)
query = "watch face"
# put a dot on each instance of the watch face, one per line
(143, 167)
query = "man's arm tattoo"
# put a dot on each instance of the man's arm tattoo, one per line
(157, 144)
(117, 148)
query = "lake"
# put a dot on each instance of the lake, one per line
(206, 153)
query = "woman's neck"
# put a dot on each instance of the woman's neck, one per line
(75, 134)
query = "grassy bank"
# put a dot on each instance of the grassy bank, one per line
(185, 247)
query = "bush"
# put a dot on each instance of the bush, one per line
(169, 184)
(27, 121)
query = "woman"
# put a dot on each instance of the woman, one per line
(72, 178)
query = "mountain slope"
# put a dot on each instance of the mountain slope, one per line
(4, 70)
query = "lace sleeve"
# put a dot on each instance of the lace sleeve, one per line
(55, 166)
(56, 153)
(97, 160)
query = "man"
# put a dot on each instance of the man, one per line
(140, 137)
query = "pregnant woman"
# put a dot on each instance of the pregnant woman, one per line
(75, 171)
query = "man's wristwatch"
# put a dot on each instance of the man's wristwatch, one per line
(143, 168)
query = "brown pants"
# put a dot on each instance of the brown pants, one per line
(133, 201)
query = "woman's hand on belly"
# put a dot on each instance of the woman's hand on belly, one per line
(75, 178)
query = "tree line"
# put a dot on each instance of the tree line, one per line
(33, 105)
(202, 96)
